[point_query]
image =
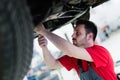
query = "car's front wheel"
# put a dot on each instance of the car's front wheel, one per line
(16, 39)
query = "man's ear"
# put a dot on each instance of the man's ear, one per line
(90, 36)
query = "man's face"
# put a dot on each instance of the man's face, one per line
(79, 36)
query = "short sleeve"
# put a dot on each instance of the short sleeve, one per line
(99, 55)
(68, 62)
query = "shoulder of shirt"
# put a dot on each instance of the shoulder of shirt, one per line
(97, 46)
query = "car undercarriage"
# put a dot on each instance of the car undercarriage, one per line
(56, 13)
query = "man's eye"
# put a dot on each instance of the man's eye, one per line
(77, 33)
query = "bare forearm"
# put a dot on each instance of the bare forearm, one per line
(49, 60)
(59, 42)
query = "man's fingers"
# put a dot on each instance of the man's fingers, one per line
(42, 40)
(39, 27)
(43, 43)
(36, 29)
(40, 37)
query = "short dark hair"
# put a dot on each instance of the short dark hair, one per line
(89, 26)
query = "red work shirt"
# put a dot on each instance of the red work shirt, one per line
(102, 63)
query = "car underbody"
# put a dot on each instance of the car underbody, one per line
(56, 13)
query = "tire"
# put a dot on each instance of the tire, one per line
(16, 39)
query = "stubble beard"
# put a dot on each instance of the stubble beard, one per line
(76, 44)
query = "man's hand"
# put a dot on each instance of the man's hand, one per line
(39, 28)
(42, 41)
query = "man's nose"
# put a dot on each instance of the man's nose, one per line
(73, 35)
